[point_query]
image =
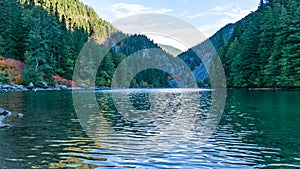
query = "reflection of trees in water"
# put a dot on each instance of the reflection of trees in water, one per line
(13, 101)
(48, 135)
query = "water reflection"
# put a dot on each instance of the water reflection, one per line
(148, 121)
(258, 129)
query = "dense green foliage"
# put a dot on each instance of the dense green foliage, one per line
(47, 35)
(261, 50)
(146, 78)
(264, 49)
(135, 46)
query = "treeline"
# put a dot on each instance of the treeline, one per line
(133, 46)
(47, 35)
(264, 48)
(204, 52)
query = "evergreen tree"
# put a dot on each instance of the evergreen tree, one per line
(235, 69)
(290, 60)
(250, 64)
(38, 44)
(1, 46)
(274, 66)
(10, 12)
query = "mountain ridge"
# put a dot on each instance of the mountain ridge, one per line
(48, 35)
(262, 48)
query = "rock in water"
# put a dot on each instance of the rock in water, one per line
(30, 86)
(4, 112)
(3, 126)
(3, 115)
(20, 115)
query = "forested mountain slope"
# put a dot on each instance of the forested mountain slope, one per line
(47, 35)
(196, 57)
(264, 48)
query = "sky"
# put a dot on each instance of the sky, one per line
(208, 16)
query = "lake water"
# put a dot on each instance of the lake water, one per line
(160, 130)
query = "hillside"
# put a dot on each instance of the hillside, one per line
(47, 35)
(192, 56)
(264, 49)
(261, 50)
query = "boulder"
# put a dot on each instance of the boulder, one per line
(8, 87)
(20, 115)
(82, 85)
(3, 126)
(3, 115)
(63, 87)
(19, 87)
(4, 112)
(30, 86)
(44, 85)
(57, 86)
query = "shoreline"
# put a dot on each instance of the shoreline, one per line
(15, 88)
(266, 89)
(19, 88)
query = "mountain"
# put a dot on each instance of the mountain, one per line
(133, 46)
(261, 50)
(48, 35)
(170, 49)
(197, 59)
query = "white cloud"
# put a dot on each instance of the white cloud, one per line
(121, 10)
(196, 15)
(233, 11)
(230, 14)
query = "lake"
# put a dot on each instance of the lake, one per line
(160, 129)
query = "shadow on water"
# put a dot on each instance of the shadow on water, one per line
(257, 129)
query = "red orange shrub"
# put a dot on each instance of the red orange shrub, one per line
(13, 67)
(62, 81)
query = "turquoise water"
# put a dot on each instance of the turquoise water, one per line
(257, 129)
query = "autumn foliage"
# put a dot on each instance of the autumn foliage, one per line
(62, 81)
(13, 67)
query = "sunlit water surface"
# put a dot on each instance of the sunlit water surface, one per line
(159, 129)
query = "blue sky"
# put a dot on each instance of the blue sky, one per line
(206, 15)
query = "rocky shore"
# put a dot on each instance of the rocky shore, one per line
(44, 86)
